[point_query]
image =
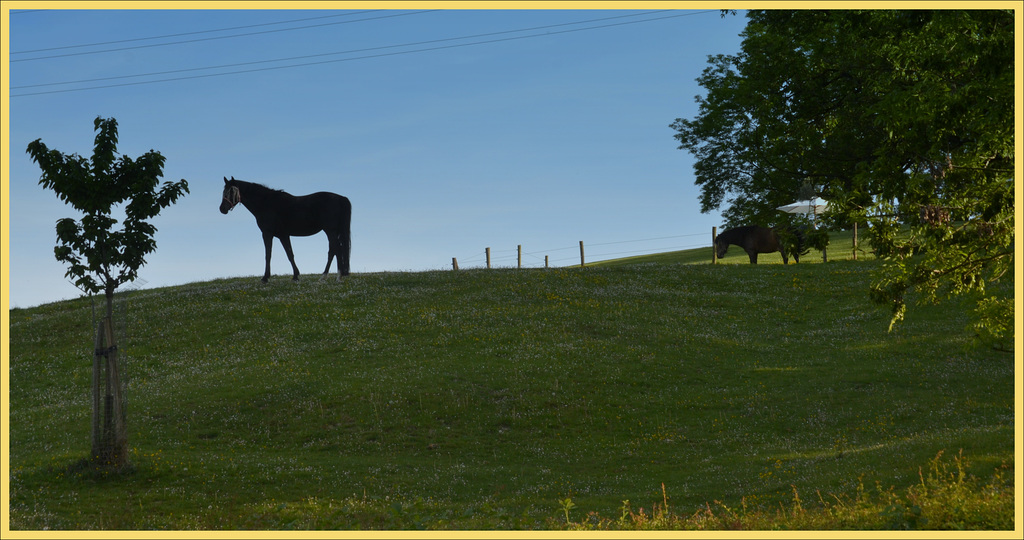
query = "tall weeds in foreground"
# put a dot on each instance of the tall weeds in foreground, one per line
(946, 498)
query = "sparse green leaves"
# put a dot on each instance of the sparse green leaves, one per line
(567, 505)
(817, 239)
(100, 258)
(994, 323)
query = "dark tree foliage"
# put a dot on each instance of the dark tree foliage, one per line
(902, 119)
(98, 257)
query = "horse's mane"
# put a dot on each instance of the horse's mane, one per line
(736, 232)
(259, 186)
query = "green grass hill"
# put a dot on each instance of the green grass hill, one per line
(646, 393)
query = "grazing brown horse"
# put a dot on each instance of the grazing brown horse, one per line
(754, 240)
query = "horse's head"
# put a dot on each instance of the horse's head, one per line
(721, 247)
(231, 195)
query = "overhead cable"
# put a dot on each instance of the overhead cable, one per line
(207, 38)
(365, 57)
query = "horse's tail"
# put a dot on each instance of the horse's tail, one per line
(347, 246)
(346, 236)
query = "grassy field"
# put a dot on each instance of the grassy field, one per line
(633, 394)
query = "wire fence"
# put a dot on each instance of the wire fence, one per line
(579, 254)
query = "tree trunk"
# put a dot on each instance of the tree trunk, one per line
(109, 432)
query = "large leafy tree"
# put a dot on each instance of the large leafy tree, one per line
(99, 258)
(903, 119)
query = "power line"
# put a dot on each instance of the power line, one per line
(351, 51)
(647, 239)
(165, 36)
(617, 242)
(379, 55)
(208, 38)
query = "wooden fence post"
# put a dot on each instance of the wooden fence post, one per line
(97, 369)
(582, 261)
(455, 263)
(519, 256)
(714, 248)
(545, 261)
(488, 252)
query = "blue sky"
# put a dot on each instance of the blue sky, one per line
(542, 141)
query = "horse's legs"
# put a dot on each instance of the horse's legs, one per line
(343, 250)
(753, 256)
(287, 243)
(330, 258)
(339, 250)
(785, 259)
(330, 252)
(268, 244)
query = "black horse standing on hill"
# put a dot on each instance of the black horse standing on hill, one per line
(282, 215)
(754, 240)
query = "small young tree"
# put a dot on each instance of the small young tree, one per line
(100, 258)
